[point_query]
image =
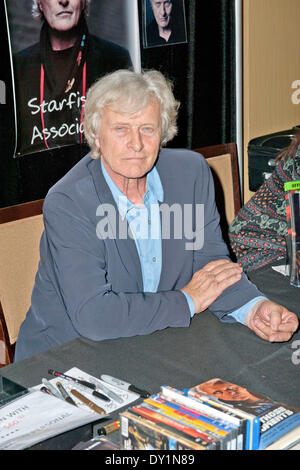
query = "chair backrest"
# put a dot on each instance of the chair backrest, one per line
(223, 163)
(21, 227)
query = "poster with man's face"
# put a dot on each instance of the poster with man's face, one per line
(163, 23)
(59, 49)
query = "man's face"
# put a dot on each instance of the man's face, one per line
(62, 15)
(226, 391)
(129, 142)
(162, 12)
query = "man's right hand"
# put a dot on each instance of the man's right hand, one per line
(209, 282)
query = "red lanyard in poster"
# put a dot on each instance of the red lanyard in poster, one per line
(42, 88)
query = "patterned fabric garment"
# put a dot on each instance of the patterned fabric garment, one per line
(258, 232)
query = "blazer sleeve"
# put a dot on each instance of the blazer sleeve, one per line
(78, 260)
(214, 248)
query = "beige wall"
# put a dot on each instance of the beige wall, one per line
(271, 44)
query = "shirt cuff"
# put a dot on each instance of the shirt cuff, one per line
(241, 313)
(190, 303)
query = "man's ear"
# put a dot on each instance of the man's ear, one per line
(97, 144)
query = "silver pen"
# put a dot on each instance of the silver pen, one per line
(52, 389)
(124, 385)
(106, 390)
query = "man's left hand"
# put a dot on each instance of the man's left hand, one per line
(272, 321)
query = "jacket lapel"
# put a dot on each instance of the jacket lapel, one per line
(125, 246)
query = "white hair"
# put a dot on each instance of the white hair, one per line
(37, 14)
(128, 91)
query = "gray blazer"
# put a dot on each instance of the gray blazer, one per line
(92, 287)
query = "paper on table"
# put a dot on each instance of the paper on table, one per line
(38, 416)
(283, 269)
(109, 407)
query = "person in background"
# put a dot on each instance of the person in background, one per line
(258, 234)
(132, 242)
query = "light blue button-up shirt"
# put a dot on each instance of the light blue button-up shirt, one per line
(144, 224)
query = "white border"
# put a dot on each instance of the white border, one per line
(134, 33)
(239, 86)
(12, 78)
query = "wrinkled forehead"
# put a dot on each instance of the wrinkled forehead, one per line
(53, 3)
(131, 104)
(159, 3)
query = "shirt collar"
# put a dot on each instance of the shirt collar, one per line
(154, 191)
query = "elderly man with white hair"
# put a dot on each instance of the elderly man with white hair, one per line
(132, 242)
(54, 75)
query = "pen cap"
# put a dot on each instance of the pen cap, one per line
(140, 392)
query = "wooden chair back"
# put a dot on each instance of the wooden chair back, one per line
(21, 227)
(223, 162)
